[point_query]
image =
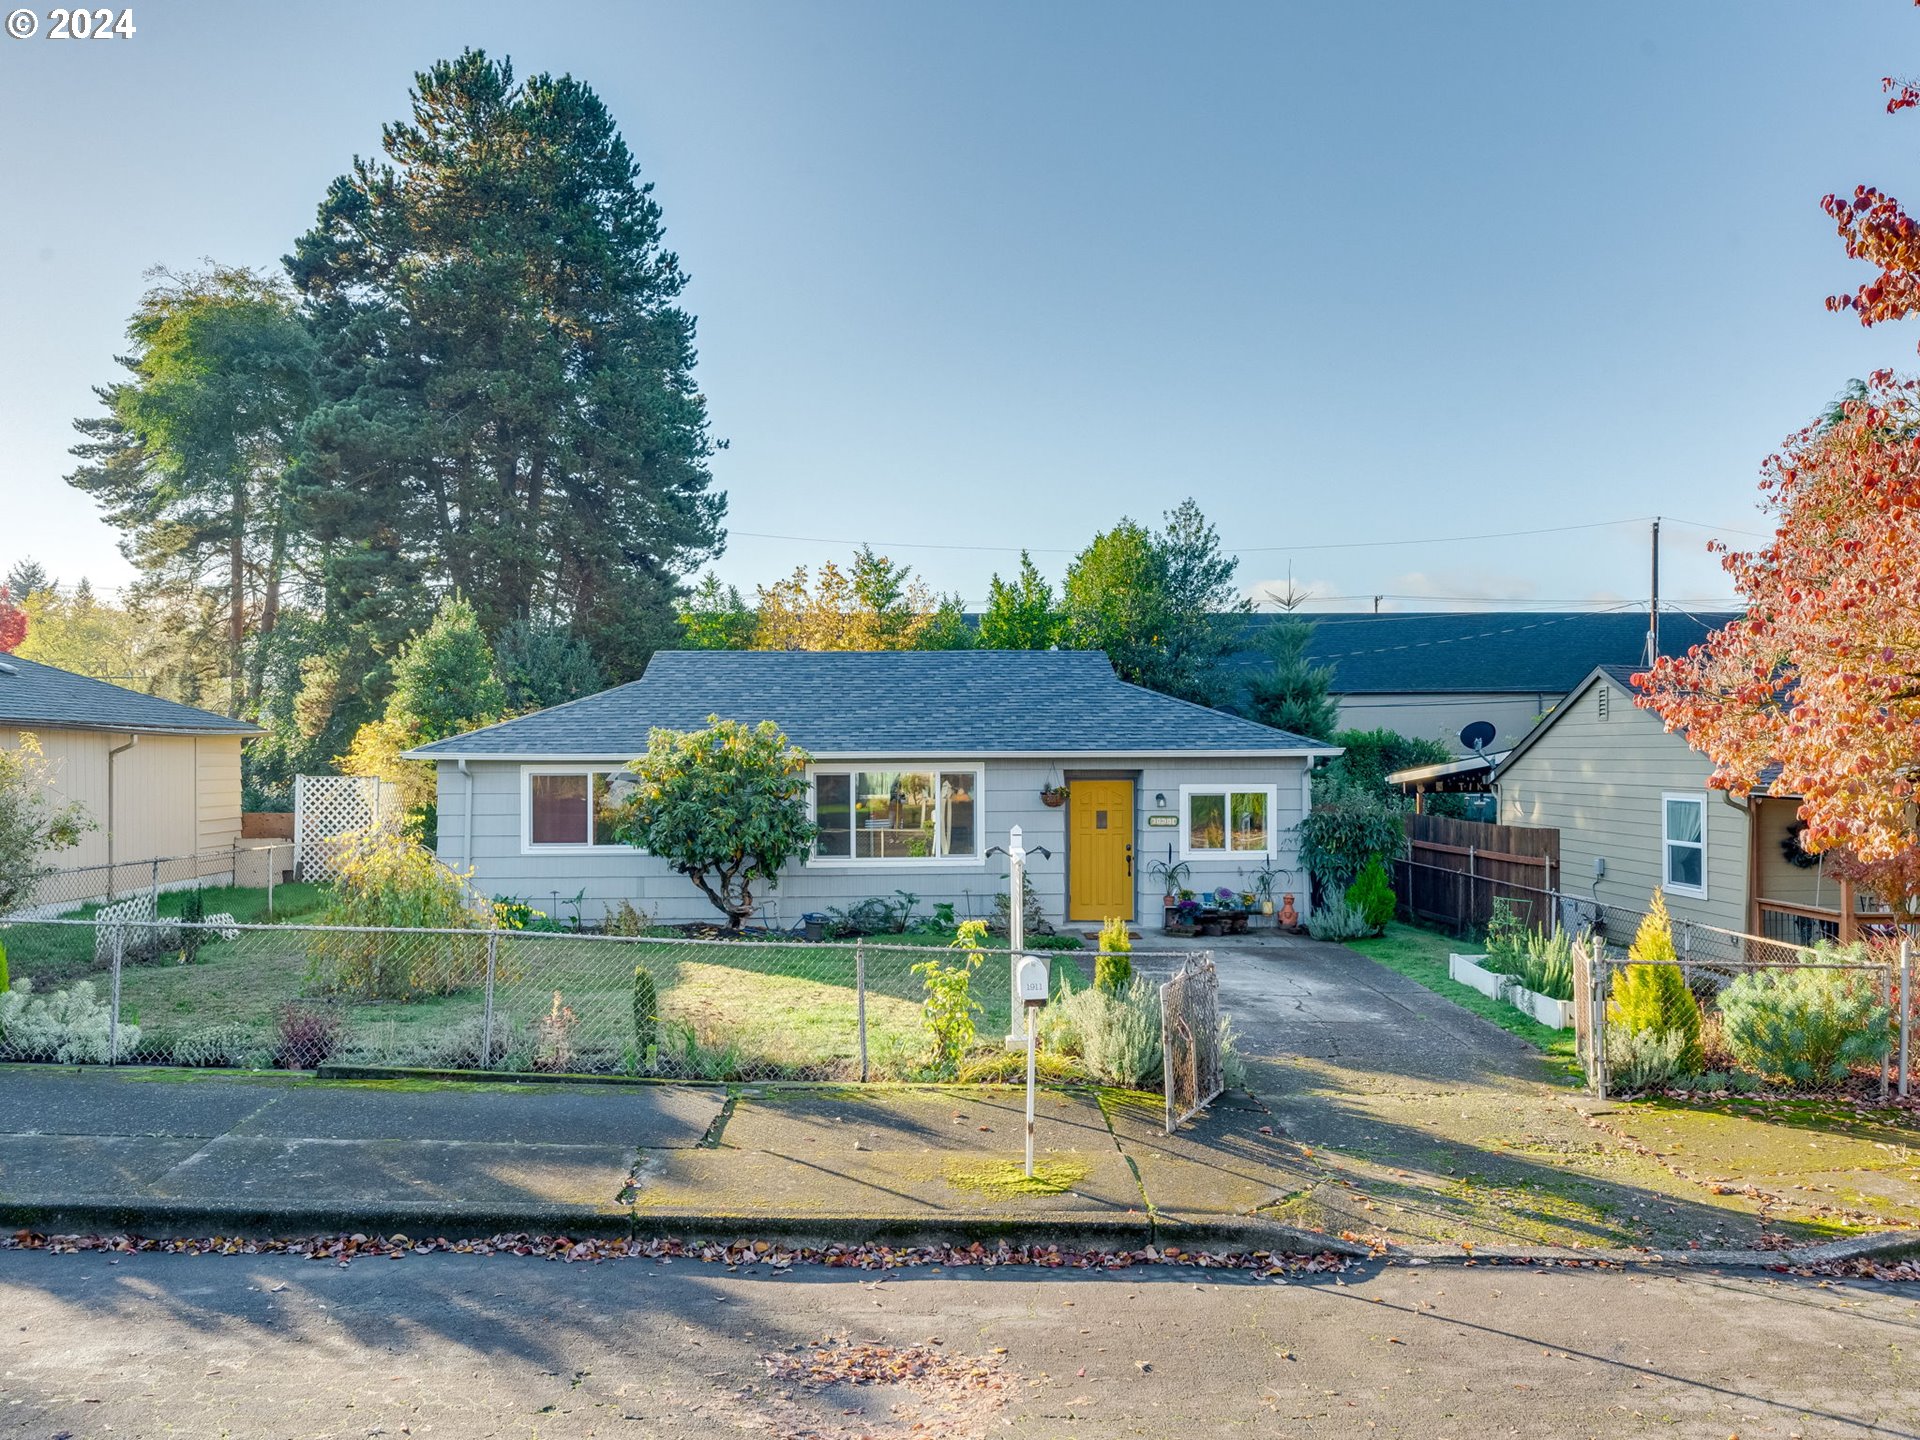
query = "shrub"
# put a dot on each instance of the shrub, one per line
(1372, 896)
(1113, 966)
(1055, 942)
(1540, 962)
(1116, 1034)
(865, 917)
(1033, 918)
(462, 1046)
(626, 919)
(193, 914)
(231, 1047)
(1653, 998)
(1345, 831)
(948, 1010)
(386, 881)
(306, 1036)
(1335, 919)
(70, 1026)
(1646, 1059)
(1804, 1028)
(646, 1013)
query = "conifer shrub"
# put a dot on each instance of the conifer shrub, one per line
(1372, 895)
(646, 1013)
(1805, 1028)
(1113, 966)
(1652, 997)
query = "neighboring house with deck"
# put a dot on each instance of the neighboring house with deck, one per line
(921, 763)
(1631, 802)
(159, 780)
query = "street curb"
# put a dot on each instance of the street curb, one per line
(186, 1219)
(1881, 1245)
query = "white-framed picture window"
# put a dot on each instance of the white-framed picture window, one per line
(571, 807)
(1226, 820)
(1683, 844)
(874, 815)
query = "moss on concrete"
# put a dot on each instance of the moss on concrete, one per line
(1004, 1179)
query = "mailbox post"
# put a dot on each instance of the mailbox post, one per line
(1030, 986)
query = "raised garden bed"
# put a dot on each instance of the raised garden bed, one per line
(1465, 969)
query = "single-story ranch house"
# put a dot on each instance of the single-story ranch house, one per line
(922, 761)
(159, 780)
(1634, 811)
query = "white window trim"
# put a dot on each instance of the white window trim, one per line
(1229, 789)
(527, 847)
(976, 861)
(1667, 882)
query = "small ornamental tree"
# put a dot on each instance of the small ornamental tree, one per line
(13, 622)
(1821, 677)
(725, 806)
(34, 822)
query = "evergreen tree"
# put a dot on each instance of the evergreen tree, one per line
(1020, 613)
(1162, 605)
(714, 617)
(27, 576)
(541, 665)
(1293, 693)
(510, 407)
(194, 460)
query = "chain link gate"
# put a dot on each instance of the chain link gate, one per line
(1190, 1033)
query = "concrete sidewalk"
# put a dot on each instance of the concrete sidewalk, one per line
(198, 1152)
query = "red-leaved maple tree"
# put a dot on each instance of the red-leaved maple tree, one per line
(1821, 677)
(13, 623)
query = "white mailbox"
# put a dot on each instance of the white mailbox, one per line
(1031, 980)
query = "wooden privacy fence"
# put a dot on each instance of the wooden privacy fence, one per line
(1455, 870)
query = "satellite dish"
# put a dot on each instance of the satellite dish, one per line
(1478, 735)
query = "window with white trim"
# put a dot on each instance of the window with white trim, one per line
(1227, 820)
(572, 807)
(896, 815)
(1683, 840)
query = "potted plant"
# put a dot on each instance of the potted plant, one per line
(1053, 796)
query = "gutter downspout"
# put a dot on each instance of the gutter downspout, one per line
(112, 755)
(466, 816)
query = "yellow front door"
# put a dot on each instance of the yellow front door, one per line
(1100, 849)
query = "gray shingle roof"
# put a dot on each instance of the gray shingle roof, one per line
(1545, 652)
(899, 703)
(36, 694)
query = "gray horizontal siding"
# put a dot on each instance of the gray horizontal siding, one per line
(1011, 794)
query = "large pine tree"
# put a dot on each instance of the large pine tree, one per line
(510, 407)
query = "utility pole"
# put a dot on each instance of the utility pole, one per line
(1376, 603)
(1653, 609)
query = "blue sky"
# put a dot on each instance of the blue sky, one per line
(973, 276)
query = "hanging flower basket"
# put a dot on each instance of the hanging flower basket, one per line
(1053, 796)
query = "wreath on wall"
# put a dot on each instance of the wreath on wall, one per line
(1795, 852)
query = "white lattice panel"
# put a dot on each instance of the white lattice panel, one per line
(327, 807)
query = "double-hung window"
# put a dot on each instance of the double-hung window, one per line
(1683, 822)
(1226, 820)
(896, 815)
(572, 807)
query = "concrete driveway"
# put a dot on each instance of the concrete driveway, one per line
(1419, 1122)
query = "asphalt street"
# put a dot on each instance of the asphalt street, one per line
(93, 1345)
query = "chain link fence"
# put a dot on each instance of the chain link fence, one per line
(157, 991)
(257, 864)
(1835, 1021)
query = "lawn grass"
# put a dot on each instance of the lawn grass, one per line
(1421, 956)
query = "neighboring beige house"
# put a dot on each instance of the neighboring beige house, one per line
(1634, 812)
(159, 780)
